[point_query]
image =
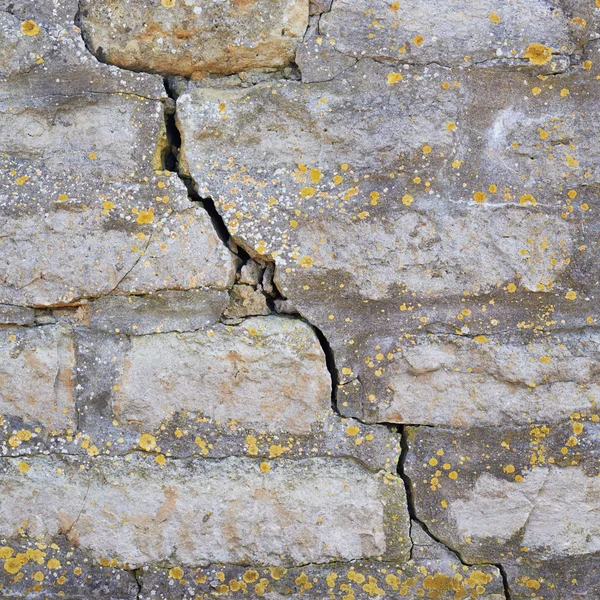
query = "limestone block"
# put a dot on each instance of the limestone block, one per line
(187, 37)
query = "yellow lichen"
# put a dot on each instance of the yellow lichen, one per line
(30, 28)
(538, 54)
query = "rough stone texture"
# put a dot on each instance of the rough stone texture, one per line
(191, 38)
(314, 316)
(207, 511)
(37, 376)
(525, 497)
(266, 372)
(78, 187)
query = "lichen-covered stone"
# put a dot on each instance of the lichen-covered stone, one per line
(197, 512)
(192, 38)
(525, 498)
(84, 212)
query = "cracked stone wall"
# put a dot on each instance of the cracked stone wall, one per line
(298, 299)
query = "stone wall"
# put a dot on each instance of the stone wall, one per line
(299, 299)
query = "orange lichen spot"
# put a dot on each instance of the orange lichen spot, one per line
(293, 223)
(426, 149)
(277, 573)
(543, 134)
(344, 166)
(374, 198)
(265, 467)
(407, 200)
(338, 179)
(147, 442)
(250, 576)
(493, 188)
(433, 462)
(92, 156)
(161, 460)
(572, 194)
(145, 216)
(330, 579)
(578, 428)
(306, 262)
(353, 430)
(456, 164)
(63, 197)
(587, 64)
(107, 206)
(579, 21)
(176, 573)
(536, 91)
(393, 78)
(511, 288)
(315, 175)
(450, 126)
(24, 467)
(38, 576)
(527, 199)
(53, 563)
(30, 28)
(453, 475)
(6, 552)
(372, 588)
(168, 3)
(12, 565)
(564, 92)
(509, 469)
(480, 339)
(538, 54)
(495, 17)
(275, 451)
(22, 180)
(571, 295)
(307, 192)
(418, 40)
(479, 197)
(93, 451)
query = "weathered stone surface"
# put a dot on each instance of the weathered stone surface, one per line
(438, 577)
(37, 377)
(265, 374)
(449, 32)
(392, 215)
(461, 381)
(191, 38)
(199, 512)
(78, 188)
(525, 497)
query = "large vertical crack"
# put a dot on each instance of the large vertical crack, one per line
(412, 511)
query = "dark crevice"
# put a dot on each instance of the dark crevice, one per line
(137, 574)
(410, 501)
(330, 363)
(171, 162)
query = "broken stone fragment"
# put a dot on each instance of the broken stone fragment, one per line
(185, 38)
(230, 511)
(246, 301)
